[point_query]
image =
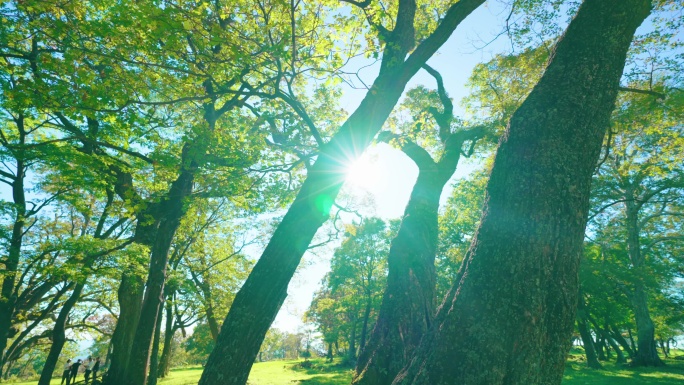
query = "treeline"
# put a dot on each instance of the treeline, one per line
(141, 141)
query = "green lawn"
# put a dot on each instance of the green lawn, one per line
(576, 373)
(289, 373)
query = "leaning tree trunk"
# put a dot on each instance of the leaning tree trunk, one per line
(647, 351)
(260, 298)
(59, 335)
(130, 294)
(509, 318)
(588, 343)
(587, 340)
(615, 334)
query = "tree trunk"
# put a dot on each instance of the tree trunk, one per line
(510, 315)
(8, 295)
(364, 325)
(173, 210)
(351, 354)
(260, 298)
(600, 347)
(615, 333)
(588, 343)
(130, 296)
(647, 351)
(59, 335)
(154, 361)
(407, 305)
(169, 331)
(620, 356)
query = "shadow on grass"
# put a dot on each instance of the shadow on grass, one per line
(577, 373)
(327, 379)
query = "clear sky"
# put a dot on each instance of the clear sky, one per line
(386, 174)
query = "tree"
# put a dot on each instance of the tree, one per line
(639, 189)
(409, 299)
(260, 298)
(520, 274)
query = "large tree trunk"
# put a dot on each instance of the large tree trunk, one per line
(408, 302)
(130, 296)
(260, 298)
(510, 315)
(59, 335)
(647, 351)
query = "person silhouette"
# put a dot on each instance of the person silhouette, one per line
(74, 370)
(66, 372)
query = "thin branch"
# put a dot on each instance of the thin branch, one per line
(658, 95)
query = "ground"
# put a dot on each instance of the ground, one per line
(290, 373)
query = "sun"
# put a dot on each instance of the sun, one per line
(366, 173)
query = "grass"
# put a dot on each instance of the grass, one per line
(321, 373)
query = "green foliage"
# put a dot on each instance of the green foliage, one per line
(354, 285)
(457, 225)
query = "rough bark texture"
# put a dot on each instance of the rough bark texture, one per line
(647, 351)
(258, 301)
(510, 315)
(130, 294)
(59, 336)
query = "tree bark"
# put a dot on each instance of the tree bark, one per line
(130, 294)
(647, 351)
(258, 301)
(510, 315)
(59, 335)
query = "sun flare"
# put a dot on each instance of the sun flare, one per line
(366, 174)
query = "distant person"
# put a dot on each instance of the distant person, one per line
(88, 365)
(66, 372)
(96, 367)
(74, 370)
